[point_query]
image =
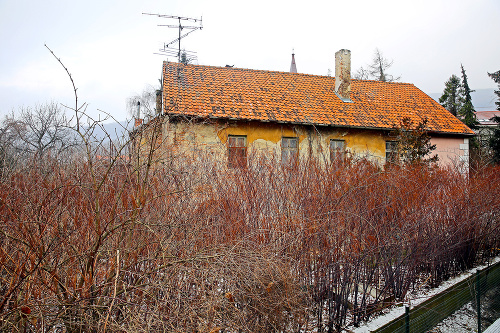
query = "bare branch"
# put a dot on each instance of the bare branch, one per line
(377, 70)
(76, 109)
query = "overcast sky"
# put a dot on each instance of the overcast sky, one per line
(109, 46)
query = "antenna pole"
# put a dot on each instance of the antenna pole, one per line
(180, 29)
(170, 51)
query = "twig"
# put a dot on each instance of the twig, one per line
(114, 291)
(74, 87)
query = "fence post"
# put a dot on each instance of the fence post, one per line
(478, 302)
(407, 319)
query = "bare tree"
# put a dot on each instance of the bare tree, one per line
(362, 74)
(40, 129)
(147, 100)
(377, 70)
(7, 155)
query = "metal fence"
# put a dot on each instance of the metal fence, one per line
(481, 289)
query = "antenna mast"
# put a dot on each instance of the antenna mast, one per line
(167, 49)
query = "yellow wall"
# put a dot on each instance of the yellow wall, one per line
(266, 137)
(189, 138)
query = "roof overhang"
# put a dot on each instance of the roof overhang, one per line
(384, 129)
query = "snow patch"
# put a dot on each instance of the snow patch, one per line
(417, 297)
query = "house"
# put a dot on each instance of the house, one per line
(486, 125)
(233, 112)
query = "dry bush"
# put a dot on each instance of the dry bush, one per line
(235, 290)
(360, 237)
(97, 245)
(181, 243)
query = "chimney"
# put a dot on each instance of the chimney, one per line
(293, 67)
(138, 120)
(158, 101)
(343, 74)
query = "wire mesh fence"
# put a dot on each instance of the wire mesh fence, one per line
(480, 291)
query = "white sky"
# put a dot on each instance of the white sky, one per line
(108, 46)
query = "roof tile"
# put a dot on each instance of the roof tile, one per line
(245, 94)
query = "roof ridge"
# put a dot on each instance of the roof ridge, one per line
(247, 69)
(282, 72)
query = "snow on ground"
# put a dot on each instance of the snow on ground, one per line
(415, 298)
(463, 320)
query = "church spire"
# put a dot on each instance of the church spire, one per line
(293, 67)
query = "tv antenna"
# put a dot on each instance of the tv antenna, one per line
(167, 47)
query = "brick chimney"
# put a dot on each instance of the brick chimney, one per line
(343, 74)
(138, 120)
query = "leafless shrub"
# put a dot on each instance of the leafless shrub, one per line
(157, 240)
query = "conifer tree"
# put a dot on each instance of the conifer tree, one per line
(496, 77)
(467, 112)
(494, 142)
(414, 142)
(450, 99)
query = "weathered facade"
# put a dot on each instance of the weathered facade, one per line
(267, 138)
(232, 112)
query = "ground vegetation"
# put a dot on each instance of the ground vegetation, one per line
(111, 244)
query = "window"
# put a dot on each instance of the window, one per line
(391, 151)
(289, 151)
(337, 150)
(237, 151)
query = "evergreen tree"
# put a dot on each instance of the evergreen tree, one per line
(466, 111)
(496, 77)
(450, 99)
(494, 142)
(468, 116)
(414, 142)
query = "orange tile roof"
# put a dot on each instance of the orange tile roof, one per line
(484, 117)
(233, 93)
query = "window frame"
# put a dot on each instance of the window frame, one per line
(337, 153)
(237, 153)
(289, 155)
(391, 151)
